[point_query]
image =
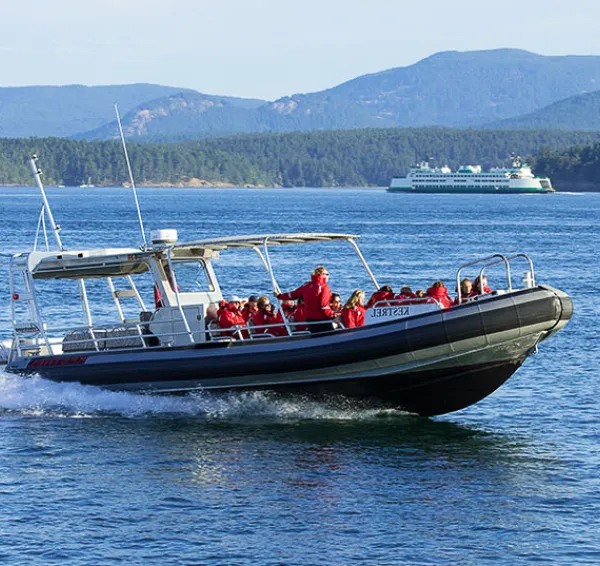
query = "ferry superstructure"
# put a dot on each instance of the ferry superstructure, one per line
(471, 179)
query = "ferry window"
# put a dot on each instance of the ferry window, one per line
(192, 277)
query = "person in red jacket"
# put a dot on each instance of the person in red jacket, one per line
(336, 304)
(317, 300)
(250, 308)
(353, 314)
(466, 290)
(405, 297)
(288, 308)
(230, 317)
(381, 296)
(478, 285)
(439, 292)
(299, 316)
(266, 315)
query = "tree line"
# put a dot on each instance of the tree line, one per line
(365, 157)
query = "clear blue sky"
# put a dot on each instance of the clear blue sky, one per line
(266, 48)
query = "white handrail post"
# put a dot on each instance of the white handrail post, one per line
(364, 262)
(276, 288)
(176, 291)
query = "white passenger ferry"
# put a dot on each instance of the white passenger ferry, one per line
(471, 179)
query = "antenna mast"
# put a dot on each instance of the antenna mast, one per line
(137, 204)
(37, 173)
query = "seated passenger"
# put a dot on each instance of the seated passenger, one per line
(288, 307)
(266, 315)
(405, 296)
(477, 286)
(419, 294)
(317, 298)
(466, 288)
(353, 314)
(299, 316)
(250, 308)
(381, 296)
(336, 304)
(439, 292)
(230, 317)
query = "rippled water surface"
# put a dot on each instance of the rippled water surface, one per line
(95, 477)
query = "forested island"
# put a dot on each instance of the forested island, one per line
(365, 157)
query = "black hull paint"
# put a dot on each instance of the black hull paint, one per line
(431, 392)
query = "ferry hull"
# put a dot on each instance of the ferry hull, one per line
(477, 191)
(428, 364)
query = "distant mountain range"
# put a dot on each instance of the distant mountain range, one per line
(505, 88)
(580, 112)
(63, 111)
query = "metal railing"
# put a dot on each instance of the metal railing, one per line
(85, 339)
(496, 259)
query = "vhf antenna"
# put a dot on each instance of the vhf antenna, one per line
(37, 173)
(137, 203)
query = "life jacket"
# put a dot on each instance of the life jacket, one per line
(288, 310)
(405, 299)
(299, 316)
(378, 297)
(247, 313)
(263, 318)
(351, 318)
(231, 317)
(337, 312)
(317, 298)
(440, 294)
(476, 293)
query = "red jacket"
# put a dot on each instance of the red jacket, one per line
(299, 316)
(379, 296)
(351, 318)
(405, 299)
(247, 313)
(229, 317)
(317, 296)
(476, 293)
(262, 318)
(440, 294)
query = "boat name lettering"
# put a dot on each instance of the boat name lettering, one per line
(49, 362)
(380, 312)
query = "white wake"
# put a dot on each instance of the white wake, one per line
(35, 396)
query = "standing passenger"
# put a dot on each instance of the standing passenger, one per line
(317, 299)
(353, 314)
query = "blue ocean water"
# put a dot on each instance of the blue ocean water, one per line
(95, 477)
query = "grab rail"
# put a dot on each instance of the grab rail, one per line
(499, 258)
(92, 339)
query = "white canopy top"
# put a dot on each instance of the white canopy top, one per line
(114, 262)
(218, 244)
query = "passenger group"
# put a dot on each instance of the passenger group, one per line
(313, 306)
